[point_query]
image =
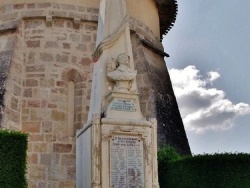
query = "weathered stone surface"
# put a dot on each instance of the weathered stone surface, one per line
(35, 13)
(31, 127)
(164, 106)
(62, 58)
(14, 103)
(51, 44)
(5, 60)
(40, 147)
(31, 5)
(16, 90)
(38, 173)
(68, 184)
(9, 25)
(32, 158)
(33, 24)
(8, 17)
(44, 5)
(160, 101)
(68, 160)
(33, 44)
(32, 103)
(31, 83)
(46, 57)
(58, 116)
(36, 138)
(18, 6)
(62, 148)
(35, 68)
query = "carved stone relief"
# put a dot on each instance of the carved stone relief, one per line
(119, 71)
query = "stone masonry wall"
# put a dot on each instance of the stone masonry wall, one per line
(49, 52)
(45, 84)
(55, 56)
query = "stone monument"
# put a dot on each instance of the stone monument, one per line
(118, 146)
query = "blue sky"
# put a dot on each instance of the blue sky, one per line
(209, 65)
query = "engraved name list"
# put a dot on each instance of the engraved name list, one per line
(126, 162)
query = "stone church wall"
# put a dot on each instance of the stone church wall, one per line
(46, 62)
(157, 98)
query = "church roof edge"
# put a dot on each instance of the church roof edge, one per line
(167, 10)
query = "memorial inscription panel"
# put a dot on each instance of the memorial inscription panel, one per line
(123, 105)
(126, 162)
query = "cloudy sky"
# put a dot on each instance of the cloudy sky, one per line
(209, 65)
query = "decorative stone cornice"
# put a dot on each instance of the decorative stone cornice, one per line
(167, 10)
(10, 17)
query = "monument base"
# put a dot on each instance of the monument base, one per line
(123, 154)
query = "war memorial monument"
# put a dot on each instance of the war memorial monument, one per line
(88, 81)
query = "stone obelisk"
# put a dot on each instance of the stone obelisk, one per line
(117, 147)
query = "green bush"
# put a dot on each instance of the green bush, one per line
(168, 153)
(13, 146)
(165, 155)
(213, 171)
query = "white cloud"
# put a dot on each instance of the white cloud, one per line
(203, 107)
(212, 76)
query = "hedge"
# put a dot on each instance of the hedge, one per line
(13, 146)
(213, 171)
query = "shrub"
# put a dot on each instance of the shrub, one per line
(13, 146)
(165, 155)
(218, 171)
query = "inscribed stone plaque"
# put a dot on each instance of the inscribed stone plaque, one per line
(123, 105)
(126, 162)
